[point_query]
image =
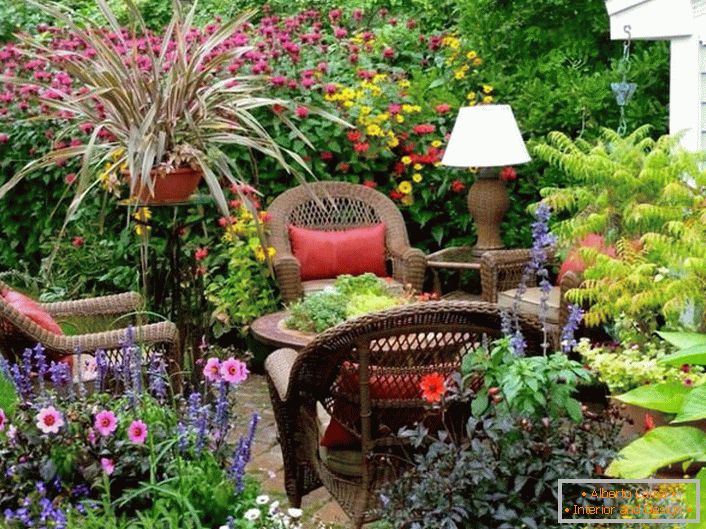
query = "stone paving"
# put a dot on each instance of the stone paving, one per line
(266, 463)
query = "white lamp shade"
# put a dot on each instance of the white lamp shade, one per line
(485, 136)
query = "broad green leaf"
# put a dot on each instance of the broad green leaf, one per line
(691, 499)
(8, 396)
(479, 404)
(658, 448)
(667, 397)
(683, 340)
(694, 407)
(695, 355)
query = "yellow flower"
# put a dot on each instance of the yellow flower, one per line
(271, 252)
(245, 215)
(417, 177)
(418, 167)
(436, 144)
(477, 61)
(393, 142)
(451, 42)
(124, 167)
(399, 118)
(374, 130)
(404, 83)
(407, 109)
(382, 118)
(117, 154)
(471, 55)
(365, 110)
(379, 77)
(348, 104)
(260, 253)
(406, 160)
(487, 88)
(459, 74)
(405, 187)
(488, 99)
(473, 170)
(407, 200)
(471, 96)
(142, 217)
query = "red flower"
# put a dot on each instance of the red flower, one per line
(278, 108)
(330, 88)
(302, 112)
(433, 387)
(395, 195)
(508, 174)
(424, 128)
(443, 108)
(361, 147)
(457, 186)
(4, 138)
(388, 53)
(200, 254)
(77, 242)
(344, 167)
(370, 183)
(649, 422)
(354, 136)
(70, 178)
(411, 23)
(353, 58)
(685, 368)
(326, 156)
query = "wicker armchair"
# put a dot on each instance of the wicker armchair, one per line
(398, 346)
(501, 273)
(18, 332)
(338, 206)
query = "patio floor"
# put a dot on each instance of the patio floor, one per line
(266, 464)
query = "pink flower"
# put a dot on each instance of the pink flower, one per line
(301, 112)
(107, 465)
(4, 138)
(443, 108)
(361, 147)
(106, 423)
(86, 127)
(49, 420)
(388, 53)
(200, 254)
(3, 419)
(339, 32)
(77, 241)
(424, 128)
(330, 88)
(508, 174)
(234, 371)
(137, 432)
(70, 178)
(212, 369)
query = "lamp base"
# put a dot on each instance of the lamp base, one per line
(488, 201)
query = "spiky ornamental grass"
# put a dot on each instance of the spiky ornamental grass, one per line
(156, 102)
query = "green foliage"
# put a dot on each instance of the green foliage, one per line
(349, 297)
(629, 366)
(536, 386)
(8, 395)
(646, 198)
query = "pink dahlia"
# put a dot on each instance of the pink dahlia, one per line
(106, 423)
(49, 420)
(302, 112)
(3, 419)
(107, 465)
(212, 369)
(137, 432)
(234, 371)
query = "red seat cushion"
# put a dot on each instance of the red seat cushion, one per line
(32, 310)
(575, 263)
(328, 254)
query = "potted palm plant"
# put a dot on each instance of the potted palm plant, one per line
(160, 109)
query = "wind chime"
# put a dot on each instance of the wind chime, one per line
(623, 91)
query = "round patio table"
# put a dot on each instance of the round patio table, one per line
(270, 330)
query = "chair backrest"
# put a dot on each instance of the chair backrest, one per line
(333, 206)
(373, 365)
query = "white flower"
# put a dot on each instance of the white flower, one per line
(224, 527)
(262, 499)
(252, 514)
(273, 507)
(295, 513)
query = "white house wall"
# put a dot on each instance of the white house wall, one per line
(685, 112)
(650, 20)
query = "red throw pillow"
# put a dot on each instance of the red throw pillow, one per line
(32, 310)
(575, 263)
(328, 254)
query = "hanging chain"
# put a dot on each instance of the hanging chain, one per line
(624, 90)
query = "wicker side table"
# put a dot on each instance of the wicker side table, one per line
(456, 258)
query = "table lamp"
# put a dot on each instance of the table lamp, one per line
(486, 137)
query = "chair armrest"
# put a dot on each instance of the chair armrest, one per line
(408, 266)
(288, 274)
(155, 333)
(105, 305)
(502, 270)
(279, 368)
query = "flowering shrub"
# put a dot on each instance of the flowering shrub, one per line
(71, 453)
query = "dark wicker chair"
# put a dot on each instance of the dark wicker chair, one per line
(501, 272)
(338, 206)
(17, 332)
(399, 345)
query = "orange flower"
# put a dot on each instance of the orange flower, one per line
(433, 387)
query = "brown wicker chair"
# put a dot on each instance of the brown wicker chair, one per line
(501, 272)
(18, 332)
(399, 345)
(338, 206)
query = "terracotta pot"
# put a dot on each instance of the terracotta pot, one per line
(170, 188)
